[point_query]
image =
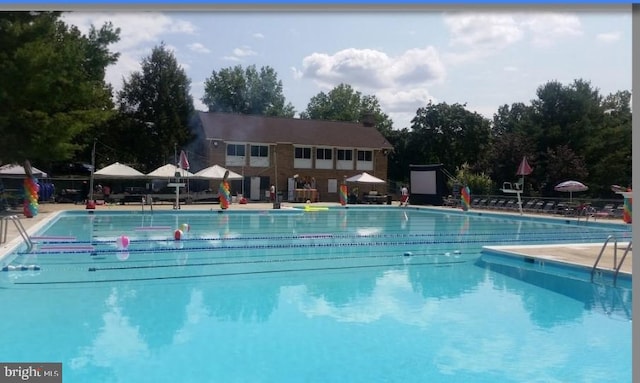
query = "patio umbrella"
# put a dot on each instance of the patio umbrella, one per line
(571, 186)
(216, 172)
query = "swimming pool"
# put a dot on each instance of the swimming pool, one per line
(358, 295)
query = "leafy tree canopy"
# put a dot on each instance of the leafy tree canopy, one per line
(53, 90)
(343, 103)
(156, 107)
(246, 91)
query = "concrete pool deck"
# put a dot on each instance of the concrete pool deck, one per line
(583, 254)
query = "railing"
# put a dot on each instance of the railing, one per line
(616, 265)
(4, 228)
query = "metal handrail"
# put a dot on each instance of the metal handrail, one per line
(604, 246)
(4, 227)
(615, 274)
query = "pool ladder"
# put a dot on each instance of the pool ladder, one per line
(4, 228)
(616, 265)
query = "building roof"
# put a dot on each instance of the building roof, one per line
(261, 129)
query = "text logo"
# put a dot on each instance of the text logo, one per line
(30, 372)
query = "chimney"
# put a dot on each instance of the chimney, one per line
(368, 119)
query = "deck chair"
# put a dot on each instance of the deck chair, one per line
(492, 203)
(529, 205)
(539, 206)
(482, 204)
(511, 204)
(606, 212)
(549, 207)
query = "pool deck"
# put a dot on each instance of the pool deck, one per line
(577, 254)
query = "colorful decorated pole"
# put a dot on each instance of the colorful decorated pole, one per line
(465, 194)
(343, 194)
(627, 193)
(31, 188)
(626, 214)
(224, 191)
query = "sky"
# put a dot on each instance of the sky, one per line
(482, 58)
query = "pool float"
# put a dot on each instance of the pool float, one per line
(313, 208)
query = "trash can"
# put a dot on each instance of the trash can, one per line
(278, 201)
(389, 199)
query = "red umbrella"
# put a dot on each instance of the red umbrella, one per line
(524, 169)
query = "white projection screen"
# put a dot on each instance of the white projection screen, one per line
(428, 184)
(423, 182)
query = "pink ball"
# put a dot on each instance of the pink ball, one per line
(123, 242)
(177, 235)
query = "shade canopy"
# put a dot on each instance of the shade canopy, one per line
(216, 172)
(169, 171)
(17, 171)
(571, 187)
(365, 178)
(524, 169)
(118, 170)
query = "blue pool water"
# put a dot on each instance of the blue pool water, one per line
(357, 295)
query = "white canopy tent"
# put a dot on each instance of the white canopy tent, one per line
(216, 172)
(365, 178)
(118, 170)
(169, 171)
(17, 171)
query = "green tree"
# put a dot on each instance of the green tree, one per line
(451, 135)
(52, 92)
(246, 91)
(343, 103)
(156, 107)
(512, 138)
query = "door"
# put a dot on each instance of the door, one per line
(255, 189)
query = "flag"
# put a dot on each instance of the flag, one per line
(524, 169)
(184, 162)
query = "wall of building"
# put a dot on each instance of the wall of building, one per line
(281, 159)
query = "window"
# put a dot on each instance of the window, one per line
(365, 155)
(345, 155)
(302, 157)
(235, 155)
(324, 158)
(324, 154)
(365, 160)
(303, 153)
(259, 151)
(235, 150)
(259, 156)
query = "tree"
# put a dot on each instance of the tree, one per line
(246, 91)
(343, 103)
(156, 107)
(53, 91)
(451, 135)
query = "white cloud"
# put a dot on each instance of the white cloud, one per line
(373, 69)
(258, 35)
(548, 29)
(399, 82)
(608, 37)
(483, 31)
(244, 52)
(231, 58)
(199, 48)
(139, 33)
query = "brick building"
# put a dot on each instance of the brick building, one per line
(288, 152)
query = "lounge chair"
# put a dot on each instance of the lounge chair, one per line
(511, 204)
(549, 207)
(529, 206)
(605, 212)
(500, 204)
(492, 203)
(538, 206)
(482, 204)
